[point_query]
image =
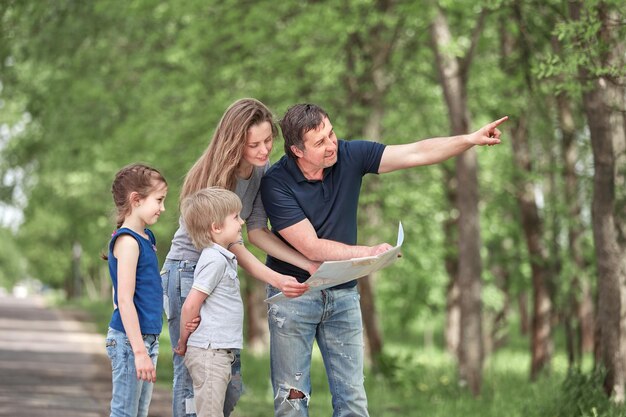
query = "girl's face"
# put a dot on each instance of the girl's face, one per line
(258, 144)
(150, 208)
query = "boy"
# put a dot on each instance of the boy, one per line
(211, 217)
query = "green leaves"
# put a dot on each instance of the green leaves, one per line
(88, 87)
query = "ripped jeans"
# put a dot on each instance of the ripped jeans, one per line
(332, 317)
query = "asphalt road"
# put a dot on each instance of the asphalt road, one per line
(52, 364)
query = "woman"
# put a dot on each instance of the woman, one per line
(236, 159)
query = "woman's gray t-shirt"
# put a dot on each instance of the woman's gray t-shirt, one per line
(252, 212)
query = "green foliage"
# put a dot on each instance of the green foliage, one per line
(582, 395)
(583, 46)
(87, 87)
(12, 261)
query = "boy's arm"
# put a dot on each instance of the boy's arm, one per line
(190, 310)
(126, 250)
(288, 285)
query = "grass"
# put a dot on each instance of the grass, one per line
(422, 382)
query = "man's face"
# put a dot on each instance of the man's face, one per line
(320, 147)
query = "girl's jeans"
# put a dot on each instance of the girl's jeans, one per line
(131, 396)
(177, 279)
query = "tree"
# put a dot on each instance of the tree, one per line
(592, 41)
(453, 73)
(603, 102)
(516, 58)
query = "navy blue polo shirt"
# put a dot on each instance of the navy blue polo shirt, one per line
(330, 204)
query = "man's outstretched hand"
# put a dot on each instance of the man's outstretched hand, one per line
(488, 134)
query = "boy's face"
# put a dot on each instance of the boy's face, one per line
(230, 230)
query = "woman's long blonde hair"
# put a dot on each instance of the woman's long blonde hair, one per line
(217, 165)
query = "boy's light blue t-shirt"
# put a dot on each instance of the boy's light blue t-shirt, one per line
(221, 325)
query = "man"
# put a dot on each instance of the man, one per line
(311, 198)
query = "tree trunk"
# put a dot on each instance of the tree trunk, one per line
(580, 309)
(366, 290)
(522, 303)
(497, 335)
(605, 238)
(370, 322)
(373, 53)
(518, 65)
(603, 102)
(453, 295)
(471, 351)
(256, 314)
(532, 224)
(453, 77)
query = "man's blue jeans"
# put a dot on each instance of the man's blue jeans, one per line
(177, 279)
(331, 317)
(131, 396)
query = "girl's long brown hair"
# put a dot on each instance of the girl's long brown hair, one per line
(217, 165)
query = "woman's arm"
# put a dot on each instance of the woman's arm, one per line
(268, 242)
(126, 250)
(288, 285)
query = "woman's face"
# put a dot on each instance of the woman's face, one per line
(258, 144)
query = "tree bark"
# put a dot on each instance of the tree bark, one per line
(580, 309)
(256, 314)
(374, 52)
(605, 238)
(518, 65)
(522, 303)
(453, 77)
(603, 101)
(541, 328)
(453, 296)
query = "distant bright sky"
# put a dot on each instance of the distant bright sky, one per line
(10, 217)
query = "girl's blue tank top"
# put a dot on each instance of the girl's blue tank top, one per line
(148, 298)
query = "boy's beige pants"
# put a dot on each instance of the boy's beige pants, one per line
(210, 370)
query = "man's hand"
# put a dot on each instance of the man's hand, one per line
(488, 134)
(291, 287)
(378, 249)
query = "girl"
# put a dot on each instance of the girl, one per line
(132, 341)
(235, 159)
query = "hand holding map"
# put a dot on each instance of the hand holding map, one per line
(332, 273)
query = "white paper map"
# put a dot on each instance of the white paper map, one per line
(332, 273)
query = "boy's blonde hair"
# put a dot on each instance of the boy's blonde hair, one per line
(206, 208)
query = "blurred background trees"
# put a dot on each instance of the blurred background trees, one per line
(527, 235)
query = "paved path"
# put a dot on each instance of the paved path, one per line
(51, 365)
